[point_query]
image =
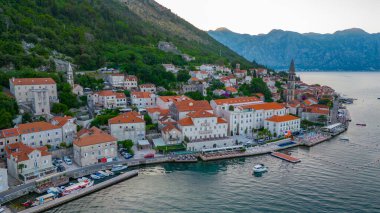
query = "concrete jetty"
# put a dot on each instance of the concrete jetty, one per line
(82, 193)
(285, 157)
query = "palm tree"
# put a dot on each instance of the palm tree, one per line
(20, 167)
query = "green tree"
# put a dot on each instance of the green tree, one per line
(5, 119)
(183, 76)
(21, 166)
(26, 117)
(58, 108)
(195, 95)
(148, 119)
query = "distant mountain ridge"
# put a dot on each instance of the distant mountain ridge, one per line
(351, 49)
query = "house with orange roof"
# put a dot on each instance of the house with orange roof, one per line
(94, 146)
(240, 73)
(281, 125)
(27, 163)
(120, 80)
(148, 88)
(156, 113)
(8, 136)
(232, 90)
(37, 93)
(164, 102)
(107, 99)
(220, 105)
(201, 75)
(171, 134)
(316, 113)
(40, 133)
(68, 127)
(179, 110)
(203, 129)
(128, 126)
(229, 81)
(143, 99)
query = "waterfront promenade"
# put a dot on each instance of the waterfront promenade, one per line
(81, 193)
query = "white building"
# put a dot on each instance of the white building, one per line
(171, 68)
(171, 135)
(27, 163)
(37, 93)
(3, 179)
(148, 88)
(78, 90)
(280, 125)
(127, 126)
(179, 110)
(219, 105)
(201, 75)
(39, 134)
(143, 99)
(68, 127)
(8, 136)
(94, 146)
(119, 80)
(164, 102)
(203, 130)
(107, 99)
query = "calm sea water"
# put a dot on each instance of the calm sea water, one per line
(334, 176)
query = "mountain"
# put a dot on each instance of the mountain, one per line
(351, 49)
(95, 33)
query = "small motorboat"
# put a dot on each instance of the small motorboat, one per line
(361, 124)
(118, 167)
(83, 179)
(100, 175)
(108, 172)
(343, 138)
(259, 168)
(104, 173)
(94, 176)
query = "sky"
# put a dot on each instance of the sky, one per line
(261, 16)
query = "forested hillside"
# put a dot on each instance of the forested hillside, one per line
(96, 33)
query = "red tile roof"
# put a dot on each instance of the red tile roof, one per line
(35, 127)
(236, 100)
(129, 117)
(174, 98)
(5, 133)
(131, 78)
(169, 127)
(147, 86)
(21, 151)
(106, 93)
(187, 106)
(61, 121)
(162, 112)
(186, 122)
(282, 118)
(141, 94)
(231, 89)
(221, 120)
(94, 136)
(120, 95)
(264, 106)
(200, 114)
(32, 81)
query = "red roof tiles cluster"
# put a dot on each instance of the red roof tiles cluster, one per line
(93, 136)
(187, 106)
(21, 151)
(129, 117)
(32, 81)
(238, 100)
(141, 94)
(282, 118)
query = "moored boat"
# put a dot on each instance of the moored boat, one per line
(77, 186)
(103, 173)
(343, 138)
(118, 167)
(259, 168)
(94, 176)
(109, 172)
(359, 124)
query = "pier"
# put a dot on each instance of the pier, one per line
(81, 193)
(285, 157)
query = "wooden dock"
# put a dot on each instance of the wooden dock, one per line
(285, 157)
(81, 193)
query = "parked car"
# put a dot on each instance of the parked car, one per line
(127, 156)
(58, 161)
(67, 160)
(149, 155)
